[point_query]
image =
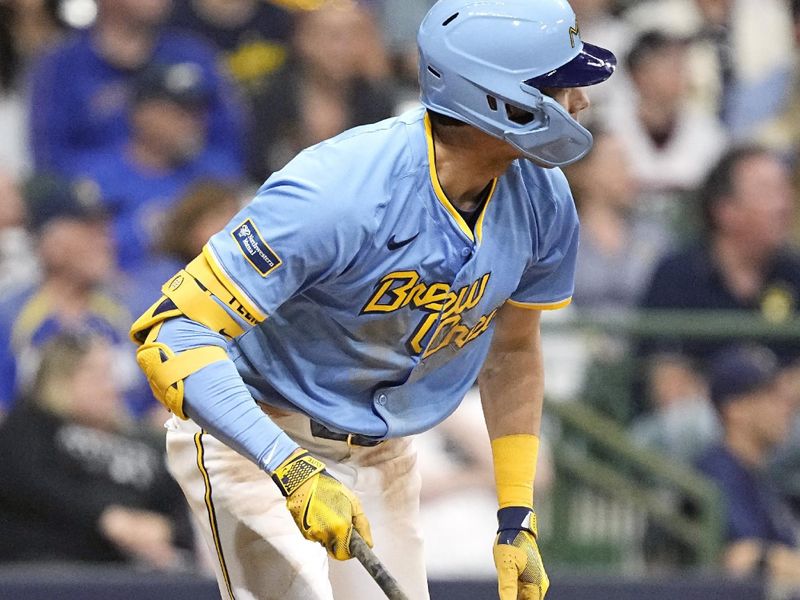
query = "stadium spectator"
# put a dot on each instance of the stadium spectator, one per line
(681, 423)
(756, 409)
(742, 261)
(77, 484)
(77, 258)
(727, 54)
(325, 89)
(167, 152)
(80, 90)
(620, 244)
(253, 35)
(27, 28)
(670, 144)
(204, 209)
(767, 109)
(17, 260)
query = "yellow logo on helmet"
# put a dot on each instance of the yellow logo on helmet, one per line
(574, 31)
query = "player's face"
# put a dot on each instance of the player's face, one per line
(574, 100)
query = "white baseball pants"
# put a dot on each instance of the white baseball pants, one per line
(261, 554)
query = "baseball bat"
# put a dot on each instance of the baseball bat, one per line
(373, 565)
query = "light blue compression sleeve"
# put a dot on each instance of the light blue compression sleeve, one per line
(217, 399)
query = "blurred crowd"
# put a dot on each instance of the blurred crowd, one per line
(134, 129)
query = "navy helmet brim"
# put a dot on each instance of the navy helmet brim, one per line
(592, 65)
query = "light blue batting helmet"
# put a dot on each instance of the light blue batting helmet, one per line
(477, 57)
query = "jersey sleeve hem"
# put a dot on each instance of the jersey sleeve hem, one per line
(248, 303)
(541, 305)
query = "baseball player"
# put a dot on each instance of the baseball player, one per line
(357, 298)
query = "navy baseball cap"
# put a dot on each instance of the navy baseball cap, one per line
(48, 198)
(740, 370)
(183, 83)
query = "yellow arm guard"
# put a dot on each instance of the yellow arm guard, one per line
(191, 293)
(166, 370)
(515, 459)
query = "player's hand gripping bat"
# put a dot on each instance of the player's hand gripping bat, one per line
(325, 511)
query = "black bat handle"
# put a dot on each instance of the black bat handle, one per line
(373, 565)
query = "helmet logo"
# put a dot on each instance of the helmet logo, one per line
(574, 31)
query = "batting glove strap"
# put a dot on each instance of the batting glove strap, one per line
(517, 517)
(295, 471)
(513, 519)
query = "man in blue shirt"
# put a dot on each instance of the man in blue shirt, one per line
(77, 260)
(756, 407)
(80, 91)
(168, 151)
(357, 298)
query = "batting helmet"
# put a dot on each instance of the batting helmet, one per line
(480, 57)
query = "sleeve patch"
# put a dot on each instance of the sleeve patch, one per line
(255, 249)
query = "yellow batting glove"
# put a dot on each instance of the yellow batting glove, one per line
(324, 509)
(520, 572)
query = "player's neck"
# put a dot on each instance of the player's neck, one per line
(466, 161)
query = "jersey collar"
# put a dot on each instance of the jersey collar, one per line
(442, 197)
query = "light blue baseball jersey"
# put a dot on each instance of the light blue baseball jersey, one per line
(379, 299)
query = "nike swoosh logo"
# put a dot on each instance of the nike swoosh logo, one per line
(393, 244)
(306, 525)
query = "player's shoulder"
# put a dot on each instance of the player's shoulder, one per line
(546, 192)
(358, 170)
(386, 149)
(545, 184)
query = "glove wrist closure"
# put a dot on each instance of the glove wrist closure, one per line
(295, 471)
(512, 519)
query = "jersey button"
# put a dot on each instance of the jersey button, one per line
(466, 252)
(382, 399)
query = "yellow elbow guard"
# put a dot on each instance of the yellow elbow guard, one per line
(165, 370)
(198, 294)
(514, 468)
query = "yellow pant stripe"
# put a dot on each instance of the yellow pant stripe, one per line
(212, 517)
